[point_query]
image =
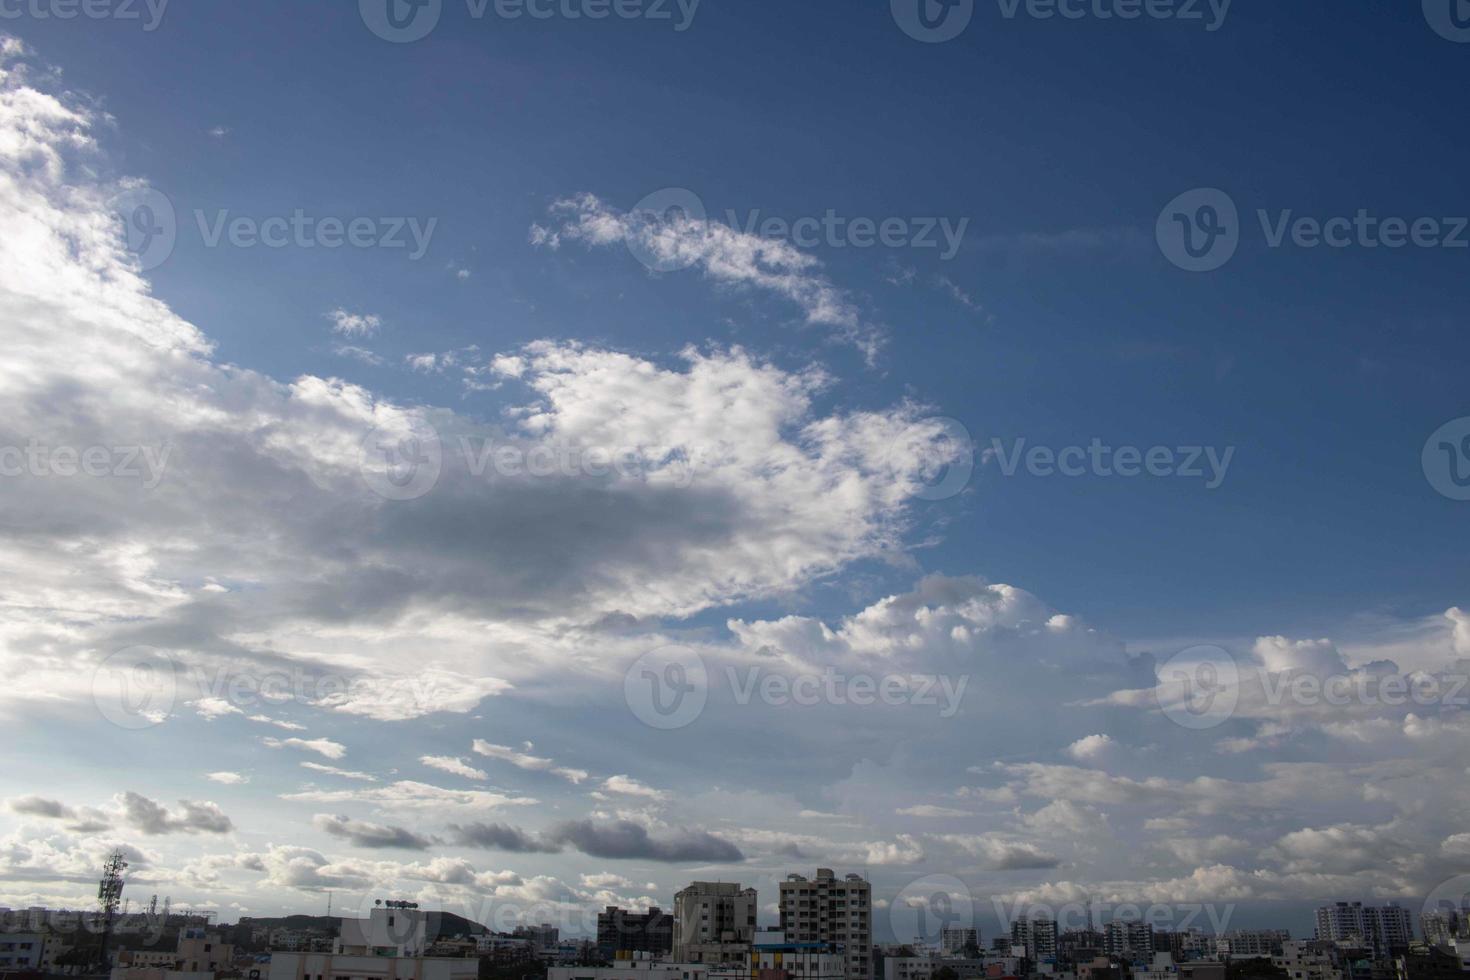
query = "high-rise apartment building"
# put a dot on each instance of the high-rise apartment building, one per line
(1037, 935)
(831, 910)
(1130, 940)
(1382, 929)
(622, 931)
(713, 920)
(1442, 926)
(954, 940)
(1244, 944)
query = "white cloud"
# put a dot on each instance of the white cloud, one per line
(1092, 748)
(321, 746)
(354, 324)
(628, 786)
(227, 778)
(524, 760)
(455, 766)
(362, 777)
(724, 254)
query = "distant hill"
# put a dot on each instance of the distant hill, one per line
(440, 924)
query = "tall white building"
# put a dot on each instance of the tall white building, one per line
(1240, 944)
(829, 909)
(1037, 935)
(1130, 940)
(954, 939)
(1442, 926)
(713, 921)
(1380, 928)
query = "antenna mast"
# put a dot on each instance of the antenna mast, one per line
(109, 895)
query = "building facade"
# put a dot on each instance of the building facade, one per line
(827, 909)
(623, 931)
(388, 945)
(1038, 936)
(1129, 940)
(1384, 929)
(713, 920)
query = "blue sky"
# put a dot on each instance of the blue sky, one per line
(1058, 320)
(1025, 127)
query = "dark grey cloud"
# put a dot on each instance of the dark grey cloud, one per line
(501, 837)
(150, 817)
(39, 806)
(605, 839)
(364, 834)
(625, 839)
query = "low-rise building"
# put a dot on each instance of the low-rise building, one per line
(21, 951)
(1245, 944)
(388, 945)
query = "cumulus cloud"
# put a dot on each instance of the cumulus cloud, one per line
(1091, 748)
(150, 817)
